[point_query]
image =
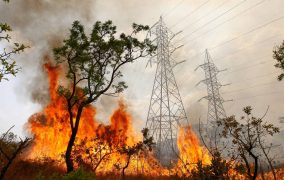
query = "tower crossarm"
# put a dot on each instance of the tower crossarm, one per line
(166, 112)
(215, 101)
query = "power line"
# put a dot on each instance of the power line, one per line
(215, 18)
(241, 65)
(256, 77)
(201, 52)
(248, 67)
(235, 52)
(248, 79)
(174, 8)
(189, 14)
(242, 89)
(263, 94)
(238, 50)
(233, 17)
(248, 32)
(219, 6)
(245, 47)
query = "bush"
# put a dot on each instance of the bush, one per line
(80, 174)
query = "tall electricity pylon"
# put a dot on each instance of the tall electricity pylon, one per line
(216, 110)
(166, 112)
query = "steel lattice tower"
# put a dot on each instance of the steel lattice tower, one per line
(216, 110)
(166, 112)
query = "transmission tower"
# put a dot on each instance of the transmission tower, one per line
(166, 112)
(216, 110)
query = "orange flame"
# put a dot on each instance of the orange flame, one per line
(51, 130)
(189, 147)
(50, 127)
(190, 151)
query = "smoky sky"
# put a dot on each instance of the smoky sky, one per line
(247, 58)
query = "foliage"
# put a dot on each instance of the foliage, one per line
(136, 149)
(39, 176)
(219, 168)
(10, 148)
(94, 65)
(80, 174)
(278, 55)
(90, 154)
(248, 139)
(7, 64)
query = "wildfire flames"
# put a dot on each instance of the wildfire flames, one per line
(51, 126)
(50, 129)
(190, 149)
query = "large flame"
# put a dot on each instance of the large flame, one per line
(190, 150)
(51, 127)
(51, 131)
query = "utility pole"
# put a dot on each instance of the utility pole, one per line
(166, 112)
(216, 110)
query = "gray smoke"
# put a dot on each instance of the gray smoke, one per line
(41, 24)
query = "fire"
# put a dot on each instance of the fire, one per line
(189, 147)
(190, 150)
(51, 129)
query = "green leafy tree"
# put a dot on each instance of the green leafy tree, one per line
(248, 138)
(278, 55)
(94, 67)
(7, 64)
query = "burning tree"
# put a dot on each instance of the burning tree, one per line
(94, 65)
(248, 140)
(10, 148)
(92, 153)
(136, 149)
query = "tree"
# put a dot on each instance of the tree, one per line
(93, 64)
(130, 151)
(278, 55)
(7, 65)
(10, 148)
(248, 139)
(218, 169)
(92, 153)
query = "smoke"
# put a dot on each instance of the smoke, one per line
(42, 25)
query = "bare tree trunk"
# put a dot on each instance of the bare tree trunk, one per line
(68, 160)
(255, 165)
(23, 145)
(125, 167)
(101, 159)
(267, 158)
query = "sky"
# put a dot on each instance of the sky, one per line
(239, 35)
